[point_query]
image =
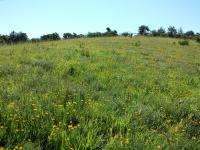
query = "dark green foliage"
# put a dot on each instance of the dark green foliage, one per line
(110, 33)
(71, 71)
(50, 37)
(127, 34)
(161, 31)
(198, 39)
(184, 42)
(143, 30)
(67, 36)
(189, 33)
(154, 33)
(180, 33)
(15, 37)
(172, 32)
(94, 34)
(72, 36)
(193, 127)
(34, 40)
(3, 39)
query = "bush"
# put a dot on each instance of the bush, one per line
(15, 37)
(127, 34)
(54, 36)
(184, 42)
(95, 34)
(34, 40)
(2, 41)
(198, 39)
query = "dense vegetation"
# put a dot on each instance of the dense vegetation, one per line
(100, 93)
(144, 30)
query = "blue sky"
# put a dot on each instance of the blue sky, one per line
(38, 17)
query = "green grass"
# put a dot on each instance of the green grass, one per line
(101, 93)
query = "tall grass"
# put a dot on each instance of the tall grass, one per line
(101, 93)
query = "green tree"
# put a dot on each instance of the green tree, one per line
(15, 37)
(189, 34)
(154, 33)
(54, 36)
(143, 30)
(172, 32)
(67, 36)
(109, 32)
(180, 33)
(161, 31)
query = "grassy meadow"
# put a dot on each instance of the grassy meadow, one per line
(100, 93)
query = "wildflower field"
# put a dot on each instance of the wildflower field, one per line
(100, 93)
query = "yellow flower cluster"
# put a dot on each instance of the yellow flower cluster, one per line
(72, 127)
(18, 148)
(119, 137)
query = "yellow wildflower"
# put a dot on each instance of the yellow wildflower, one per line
(126, 141)
(158, 146)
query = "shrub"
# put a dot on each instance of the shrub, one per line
(189, 33)
(198, 39)
(95, 34)
(127, 34)
(184, 42)
(54, 36)
(2, 41)
(34, 40)
(15, 37)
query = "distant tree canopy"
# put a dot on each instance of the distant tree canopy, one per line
(143, 30)
(172, 31)
(4, 39)
(72, 35)
(18, 37)
(14, 37)
(95, 34)
(127, 34)
(190, 33)
(54, 36)
(180, 33)
(35, 40)
(108, 33)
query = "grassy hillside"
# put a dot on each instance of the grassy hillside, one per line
(103, 93)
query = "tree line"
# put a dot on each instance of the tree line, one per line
(170, 32)
(143, 30)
